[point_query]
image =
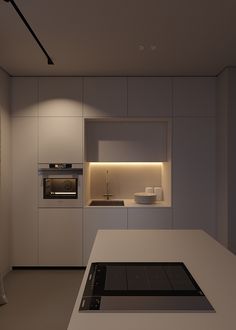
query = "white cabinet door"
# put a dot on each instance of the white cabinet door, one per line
(101, 218)
(105, 96)
(194, 174)
(60, 237)
(60, 96)
(24, 191)
(24, 96)
(149, 218)
(126, 141)
(194, 96)
(149, 96)
(60, 140)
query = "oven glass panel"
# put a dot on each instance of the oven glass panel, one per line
(60, 188)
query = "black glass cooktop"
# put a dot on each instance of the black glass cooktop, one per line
(163, 286)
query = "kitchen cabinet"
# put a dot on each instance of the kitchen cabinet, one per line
(194, 96)
(60, 140)
(24, 96)
(60, 96)
(96, 218)
(126, 141)
(60, 237)
(194, 174)
(24, 191)
(149, 218)
(105, 96)
(149, 97)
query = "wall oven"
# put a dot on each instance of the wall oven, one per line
(60, 185)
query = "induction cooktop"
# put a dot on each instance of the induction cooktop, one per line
(142, 286)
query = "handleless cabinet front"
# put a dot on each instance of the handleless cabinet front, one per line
(149, 97)
(105, 97)
(194, 174)
(24, 96)
(60, 96)
(149, 218)
(60, 140)
(24, 191)
(60, 237)
(96, 218)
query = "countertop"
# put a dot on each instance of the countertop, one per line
(132, 203)
(212, 266)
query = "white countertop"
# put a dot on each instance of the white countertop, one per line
(132, 203)
(212, 266)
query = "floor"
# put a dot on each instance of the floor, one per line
(39, 299)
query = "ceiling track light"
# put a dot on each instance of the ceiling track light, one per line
(50, 62)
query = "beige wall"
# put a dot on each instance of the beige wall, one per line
(124, 180)
(4, 172)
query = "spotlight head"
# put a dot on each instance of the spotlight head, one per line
(50, 62)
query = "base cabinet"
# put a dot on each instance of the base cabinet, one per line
(60, 237)
(101, 218)
(151, 218)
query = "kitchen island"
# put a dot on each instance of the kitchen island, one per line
(212, 266)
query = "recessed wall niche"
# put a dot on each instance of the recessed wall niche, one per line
(125, 179)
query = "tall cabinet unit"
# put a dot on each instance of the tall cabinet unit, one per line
(24, 191)
(60, 140)
(24, 109)
(193, 175)
(47, 127)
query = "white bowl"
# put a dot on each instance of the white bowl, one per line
(144, 198)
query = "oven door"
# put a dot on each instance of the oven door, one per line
(60, 189)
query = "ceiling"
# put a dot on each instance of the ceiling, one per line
(119, 37)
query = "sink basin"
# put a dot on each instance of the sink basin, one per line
(107, 203)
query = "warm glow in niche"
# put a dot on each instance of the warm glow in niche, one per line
(125, 163)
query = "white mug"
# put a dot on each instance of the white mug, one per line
(149, 190)
(158, 192)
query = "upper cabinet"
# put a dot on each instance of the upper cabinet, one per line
(194, 96)
(60, 96)
(105, 97)
(126, 141)
(60, 140)
(149, 97)
(24, 97)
